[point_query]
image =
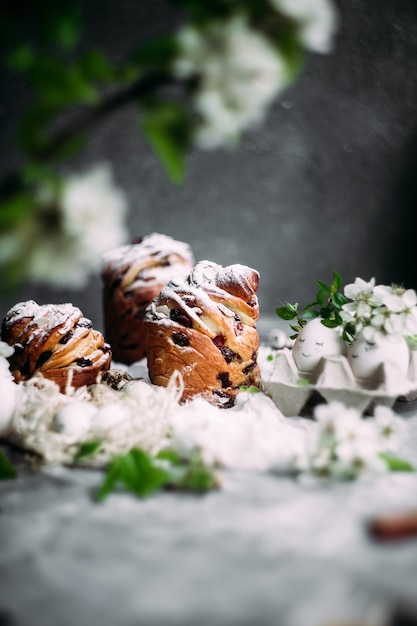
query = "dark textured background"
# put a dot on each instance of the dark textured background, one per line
(329, 181)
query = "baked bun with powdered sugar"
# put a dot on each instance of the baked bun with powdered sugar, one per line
(54, 340)
(205, 328)
(132, 276)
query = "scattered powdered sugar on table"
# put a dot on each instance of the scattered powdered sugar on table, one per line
(252, 435)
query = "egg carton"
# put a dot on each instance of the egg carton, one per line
(332, 379)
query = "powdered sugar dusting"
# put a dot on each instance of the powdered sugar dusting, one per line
(45, 316)
(251, 435)
(203, 273)
(205, 289)
(155, 244)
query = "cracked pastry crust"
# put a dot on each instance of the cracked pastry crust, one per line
(54, 340)
(205, 328)
(132, 276)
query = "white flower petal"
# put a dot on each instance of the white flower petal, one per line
(92, 222)
(240, 73)
(317, 21)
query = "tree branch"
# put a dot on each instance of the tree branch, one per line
(86, 119)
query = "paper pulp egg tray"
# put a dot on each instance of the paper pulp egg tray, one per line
(332, 379)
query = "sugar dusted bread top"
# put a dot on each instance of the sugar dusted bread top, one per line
(155, 257)
(205, 328)
(54, 340)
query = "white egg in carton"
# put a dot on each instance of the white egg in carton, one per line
(333, 379)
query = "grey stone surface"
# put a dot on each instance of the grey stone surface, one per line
(262, 550)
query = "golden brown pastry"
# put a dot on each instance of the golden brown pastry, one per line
(205, 328)
(133, 275)
(55, 340)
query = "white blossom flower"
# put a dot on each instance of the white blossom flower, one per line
(240, 72)
(361, 291)
(90, 221)
(317, 21)
(390, 428)
(390, 297)
(380, 309)
(370, 333)
(409, 298)
(347, 445)
(399, 310)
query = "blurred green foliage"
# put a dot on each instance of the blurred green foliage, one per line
(74, 86)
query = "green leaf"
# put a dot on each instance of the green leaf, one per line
(289, 46)
(141, 474)
(109, 483)
(309, 306)
(167, 454)
(396, 464)
(412, 342)
(137, 472)
(325, 289)
(287, 312)
(326, 312)
(88, 448)
(94, 66)
(339, 300)
(33, 125)
(337, 281)
(7, 471)
(61, 85)
(156, 54)
(309, 314)
(197, 476)
(320, 298)
(15, 209)
(167, 128)
(270, 357)
(127, 72)
(61, 23)
(21, 57)
(250, 389)
(349, 331)
(330, 323)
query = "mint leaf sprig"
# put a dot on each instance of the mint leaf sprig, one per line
(327, 306)
(142, 474)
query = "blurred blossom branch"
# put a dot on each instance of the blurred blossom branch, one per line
(202, 86)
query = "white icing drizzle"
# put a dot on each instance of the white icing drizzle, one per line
(194, 296)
